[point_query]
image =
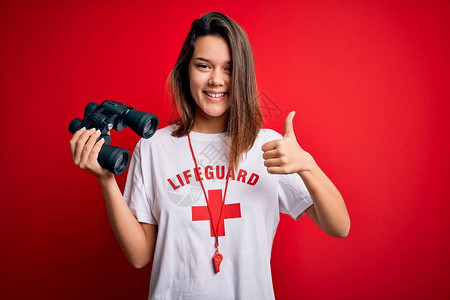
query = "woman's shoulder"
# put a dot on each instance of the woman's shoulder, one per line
(165, 132)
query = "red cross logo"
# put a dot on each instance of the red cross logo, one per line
(200, 213)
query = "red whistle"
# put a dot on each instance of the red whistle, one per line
(217, 259)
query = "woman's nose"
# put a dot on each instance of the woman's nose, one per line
(216, 78)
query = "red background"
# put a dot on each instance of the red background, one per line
(368, 79)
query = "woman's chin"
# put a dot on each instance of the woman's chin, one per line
(214, 113)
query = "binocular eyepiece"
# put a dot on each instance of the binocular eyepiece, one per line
(114, 115)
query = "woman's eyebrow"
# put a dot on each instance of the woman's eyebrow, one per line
(208, 61)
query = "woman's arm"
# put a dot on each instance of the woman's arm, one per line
(329, 211)
(285, 156)
(137, 240)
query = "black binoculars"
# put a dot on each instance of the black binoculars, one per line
(115, 115)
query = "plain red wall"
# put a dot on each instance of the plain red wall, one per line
(369, 81)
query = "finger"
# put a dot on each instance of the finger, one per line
(270, 145)
(276, 170)
(93, 155)
(74, 139)
(274, 162)
(88, 147)
(96, 149)
(288, 125)
(271, 154)
(81, 142)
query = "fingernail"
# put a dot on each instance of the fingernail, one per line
(92, 129)
(83, 128)
(98, 131)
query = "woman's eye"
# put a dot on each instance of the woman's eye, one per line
(203, 66)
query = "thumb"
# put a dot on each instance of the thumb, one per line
(288, 126)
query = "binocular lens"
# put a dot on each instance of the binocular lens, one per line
(149, 127)
(119, 165)
(144, 124)
(114, 159)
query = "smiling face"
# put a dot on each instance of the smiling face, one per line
(210, 83)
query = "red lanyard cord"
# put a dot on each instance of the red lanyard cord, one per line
(216, 232)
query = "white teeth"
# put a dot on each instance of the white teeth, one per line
(215, 95)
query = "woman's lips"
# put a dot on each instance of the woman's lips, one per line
(216, 99)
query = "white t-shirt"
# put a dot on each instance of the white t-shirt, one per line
(162, 189)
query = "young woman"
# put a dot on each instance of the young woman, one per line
(203, 195)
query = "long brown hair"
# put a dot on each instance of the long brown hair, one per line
(244, 118)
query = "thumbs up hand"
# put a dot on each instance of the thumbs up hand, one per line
(285, 156)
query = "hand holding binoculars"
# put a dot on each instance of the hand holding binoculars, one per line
(115, 115)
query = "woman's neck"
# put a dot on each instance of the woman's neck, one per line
(206, 124)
